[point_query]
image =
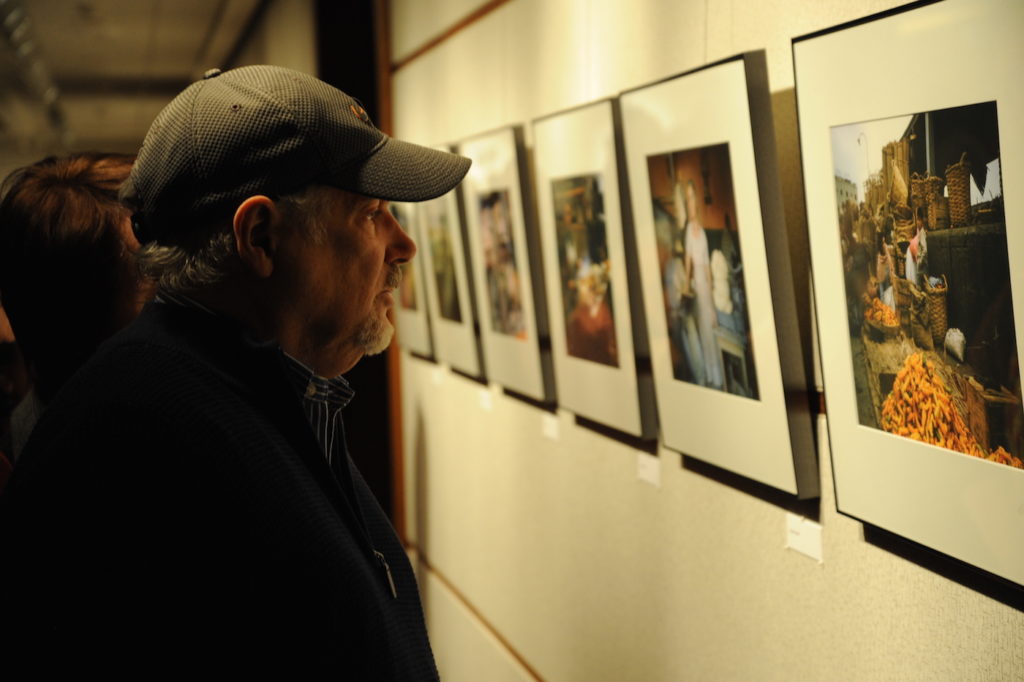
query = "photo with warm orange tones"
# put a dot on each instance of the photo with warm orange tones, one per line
(585, 269)
(697, 237)
(926, 269)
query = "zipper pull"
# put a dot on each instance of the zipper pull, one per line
(387, 572)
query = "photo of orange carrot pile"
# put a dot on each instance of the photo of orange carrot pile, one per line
(919, 407)
(881, 313)
(1001, 456)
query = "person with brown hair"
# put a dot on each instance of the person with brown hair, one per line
(67, 274)
(14, 384)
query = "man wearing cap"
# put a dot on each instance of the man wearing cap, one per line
(187, 506)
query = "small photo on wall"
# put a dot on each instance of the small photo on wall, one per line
(698, 240)
(598, 330)
(408, 295)
(442, 253)
(446, 284)
(726, 330)
(926, 274)
(412, 322)
(585, 269)
(503, 254)
(504, 287)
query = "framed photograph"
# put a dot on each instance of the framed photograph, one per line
(412, 322)
(917, 248)
(717, 283)
(449, 295)
(506, 269)
(585, 267)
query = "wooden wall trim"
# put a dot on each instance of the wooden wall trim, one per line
(461, 598)
(463, 23)
(382, 41)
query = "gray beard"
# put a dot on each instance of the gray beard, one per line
(374, 334)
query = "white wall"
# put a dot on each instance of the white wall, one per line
(552, 550)
(285, 37)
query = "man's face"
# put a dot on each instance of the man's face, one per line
(340, 283)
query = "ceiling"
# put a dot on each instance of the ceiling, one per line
(92, 74)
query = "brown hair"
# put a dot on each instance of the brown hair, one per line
(66, 275)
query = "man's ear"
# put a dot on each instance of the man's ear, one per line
(255, 234)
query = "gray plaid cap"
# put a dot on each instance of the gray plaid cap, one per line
(270, 130)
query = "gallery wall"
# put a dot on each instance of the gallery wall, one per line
(551, 550)
(285, 36)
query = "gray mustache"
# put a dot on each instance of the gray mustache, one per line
(394, 277)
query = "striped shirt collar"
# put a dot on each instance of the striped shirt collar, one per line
(322, 401)
(335, 392)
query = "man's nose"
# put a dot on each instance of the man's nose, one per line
(403, 248)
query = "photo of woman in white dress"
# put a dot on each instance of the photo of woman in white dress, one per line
(697, 235)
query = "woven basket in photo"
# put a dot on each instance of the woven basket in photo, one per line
(918, 193)
(933, 185)
(974, 402)
(938, 214)
(901, 257)
(937, 318)
(903, 230)
(958, 179)
(878, 331)
(901, 293)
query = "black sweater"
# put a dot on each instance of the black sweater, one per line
(173, 515)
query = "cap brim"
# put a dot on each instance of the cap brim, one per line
(402, 171)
